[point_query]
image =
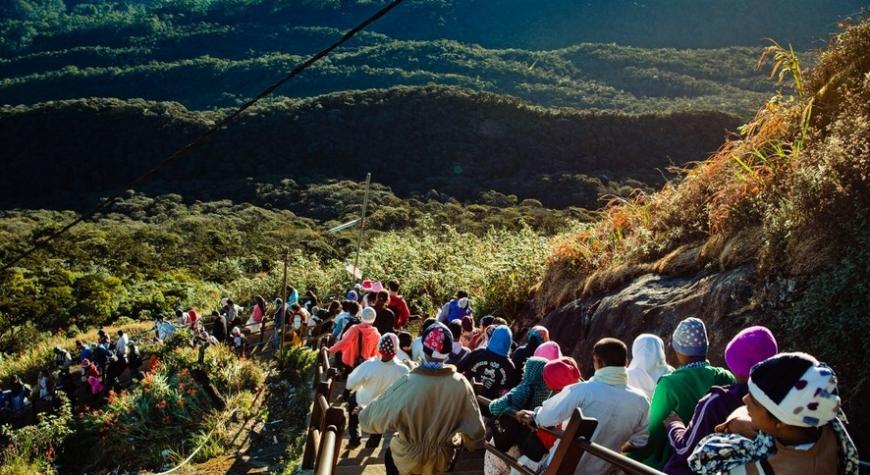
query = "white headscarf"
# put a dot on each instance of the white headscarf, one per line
(648, 363)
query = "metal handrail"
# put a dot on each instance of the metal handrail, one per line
(326, 451)
(614, 458)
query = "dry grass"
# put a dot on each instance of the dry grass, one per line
(747, 200)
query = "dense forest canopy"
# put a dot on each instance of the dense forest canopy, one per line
(414, 140)
(562, 53)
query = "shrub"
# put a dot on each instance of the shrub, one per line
(33, 448)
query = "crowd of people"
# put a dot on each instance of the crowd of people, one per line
(767, 412)
(85, 378)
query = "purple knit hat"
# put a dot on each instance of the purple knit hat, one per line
(748, 348)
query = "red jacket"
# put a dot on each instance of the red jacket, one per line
(399, 307)
(349, 343)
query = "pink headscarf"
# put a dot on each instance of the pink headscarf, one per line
(560, 373)
(549, 351)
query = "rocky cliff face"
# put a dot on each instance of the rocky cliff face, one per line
(655, 304)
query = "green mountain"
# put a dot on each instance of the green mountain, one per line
(414, 140)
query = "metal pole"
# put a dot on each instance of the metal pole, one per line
(362, 224)
(283, 294)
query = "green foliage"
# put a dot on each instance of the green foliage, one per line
(32, 448)
(415, 140)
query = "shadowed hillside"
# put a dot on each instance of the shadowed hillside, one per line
(413, 139)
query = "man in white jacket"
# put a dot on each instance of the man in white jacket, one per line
(621, 410)
(369, 380)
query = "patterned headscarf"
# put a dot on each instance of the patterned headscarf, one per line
(388, 345)
(437, 342)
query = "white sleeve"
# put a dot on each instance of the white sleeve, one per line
(357, 377)
(558, 408)
(640, 434)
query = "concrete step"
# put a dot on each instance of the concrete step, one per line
(373, 469)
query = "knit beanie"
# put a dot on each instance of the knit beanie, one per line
(352, 295)
(748, 348)
(540, 333)
(560, 373)
(388, 345)
(437, 341)
(368, 315)
(796, 389)
(549, 351)
(690, 337)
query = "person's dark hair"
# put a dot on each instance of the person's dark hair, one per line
(259, 300)
(456, 329)
(230, 302)
(426, 323)
(393, 285)
(499, 321)
(215, 313)
(289, 289)
(352, 307)
(461, 294)
(120, 331)
(611, 352)
(333, 308)
(486, 321)
(383, 296)
(295, 307)
(405, 339)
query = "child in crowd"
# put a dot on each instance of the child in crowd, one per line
(790, 425)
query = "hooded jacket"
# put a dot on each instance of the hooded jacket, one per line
(349, 344)
(491, 366)
(526, 351)
(647, 363)
(426, 409)
(529, 394)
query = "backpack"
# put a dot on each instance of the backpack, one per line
(454, 311)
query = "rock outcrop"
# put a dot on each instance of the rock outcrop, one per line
(655, 304)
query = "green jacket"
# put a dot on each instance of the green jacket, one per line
(677, 392)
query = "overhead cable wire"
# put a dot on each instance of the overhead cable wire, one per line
(202, 138)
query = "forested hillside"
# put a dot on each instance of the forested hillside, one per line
(216, 54)
(414, 140)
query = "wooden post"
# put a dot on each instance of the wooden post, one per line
(362, 225)
(568, 454)
(283, 294)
